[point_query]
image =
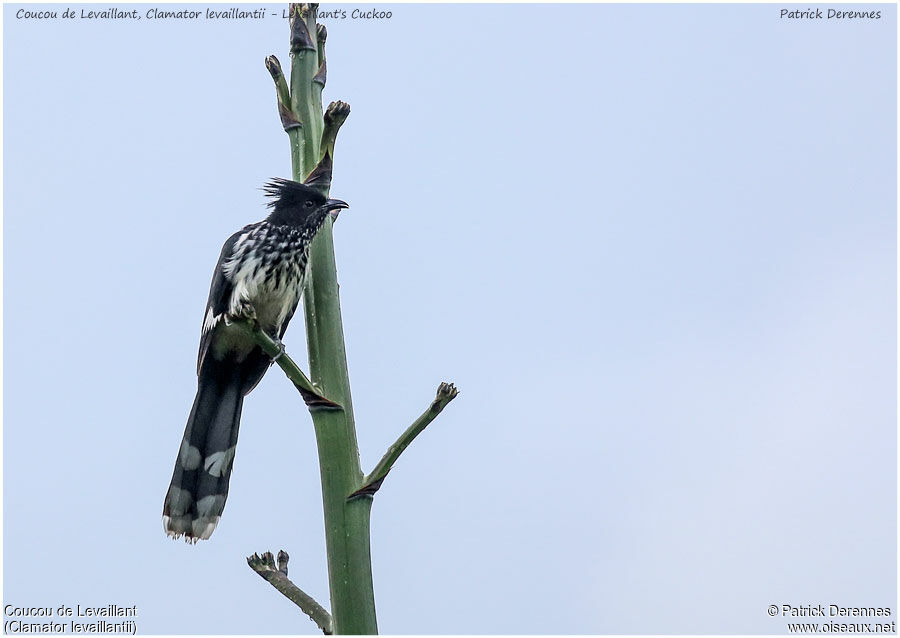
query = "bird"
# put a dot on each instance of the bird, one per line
(259, 277)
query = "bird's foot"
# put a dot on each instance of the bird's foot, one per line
(243, 312)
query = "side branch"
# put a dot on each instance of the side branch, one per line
(265, 566)
(288, 118)
(446, 392)
(275, 349)
(335, 116)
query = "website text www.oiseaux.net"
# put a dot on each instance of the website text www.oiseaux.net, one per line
(840, 620)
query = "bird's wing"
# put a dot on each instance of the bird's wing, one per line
(219, 297)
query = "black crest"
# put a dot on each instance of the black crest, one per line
(286, 194)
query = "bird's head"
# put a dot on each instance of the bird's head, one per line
(296, 204)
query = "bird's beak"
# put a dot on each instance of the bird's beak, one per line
(332, 204)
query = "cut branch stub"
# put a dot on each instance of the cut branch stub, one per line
(266, 561)
(446, 392)
(277, 577)
(335, 116)
(283, 559)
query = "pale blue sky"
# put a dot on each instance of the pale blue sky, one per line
(654, 245)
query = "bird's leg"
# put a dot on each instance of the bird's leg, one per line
(246, 312)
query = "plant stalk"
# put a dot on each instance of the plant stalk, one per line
(346, 492)
(346, 522)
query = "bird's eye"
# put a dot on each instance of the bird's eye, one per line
(308, 203)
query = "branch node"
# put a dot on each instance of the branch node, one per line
(369, 489)
(320, 177)
(315, 401)
(288, 119)
(300, 37)
(321, 75)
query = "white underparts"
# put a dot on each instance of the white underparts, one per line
(270, 282)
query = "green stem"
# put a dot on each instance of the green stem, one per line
(312, 137)
(346, 522)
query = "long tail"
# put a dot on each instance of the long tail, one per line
(196, 496)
